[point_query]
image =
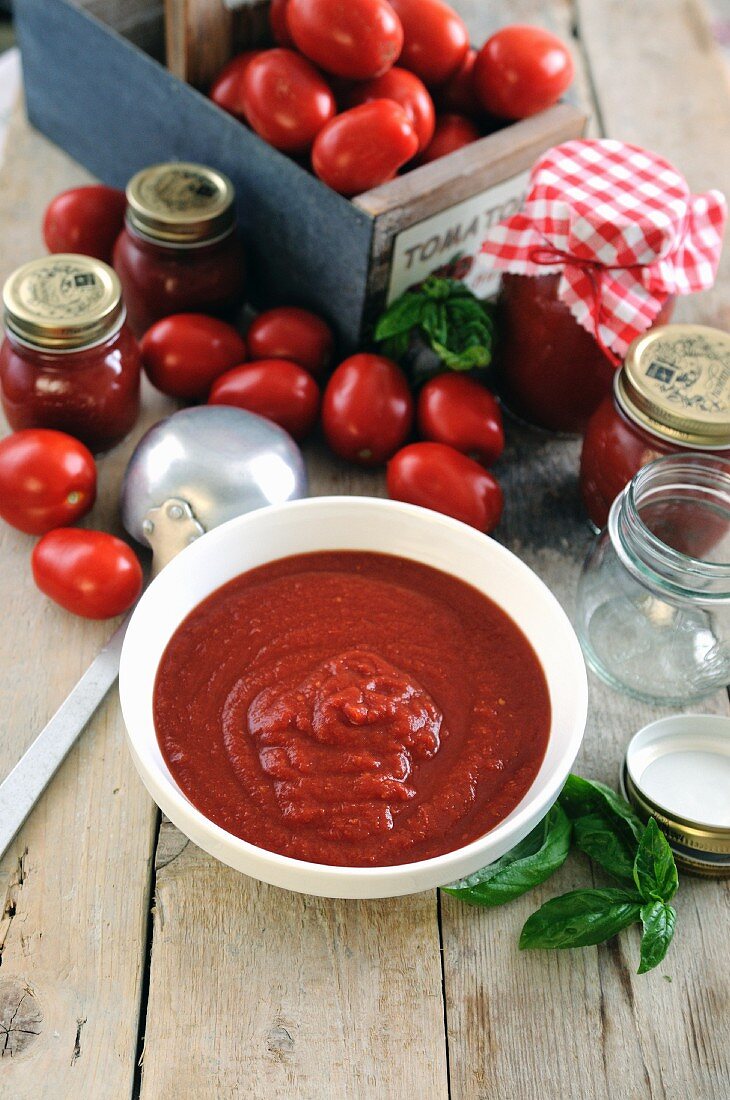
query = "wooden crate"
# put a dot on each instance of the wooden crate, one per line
(96, 85)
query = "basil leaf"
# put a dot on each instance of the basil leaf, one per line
(594, 834)
(430, 319)
(587, 796)
(655, 872)
(580, 919)
(470, 358)
(530, 862)
(402, 316)
(658, 920)
(459, 327)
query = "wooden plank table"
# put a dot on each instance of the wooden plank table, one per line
(132, 964)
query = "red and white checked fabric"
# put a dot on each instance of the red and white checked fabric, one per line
(622, 227)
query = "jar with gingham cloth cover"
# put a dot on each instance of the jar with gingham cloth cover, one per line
(608, 235)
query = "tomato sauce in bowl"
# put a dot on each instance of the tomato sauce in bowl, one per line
(351, 708)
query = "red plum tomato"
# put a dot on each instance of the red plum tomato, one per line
(47, 480)
(357, 39)
(521, 70)
(456, 410)
(435, 39)
(367, 409)
(457, 94)
(288, 332)
(183, 354)
(275, 388)
(286, 100)
(86, 220)
(436, 476)
(452, 132)
(227, 88)
(278, 23)
(406, 89)
(364, 147)
(89, 573)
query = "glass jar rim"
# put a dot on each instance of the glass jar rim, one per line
(650, 558)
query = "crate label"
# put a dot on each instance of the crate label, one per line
(449, 242)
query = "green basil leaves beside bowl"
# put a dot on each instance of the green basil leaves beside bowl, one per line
(603, 826)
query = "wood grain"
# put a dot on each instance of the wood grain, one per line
(202, 35)
(257, 992)
(75, 884)
(198, 36)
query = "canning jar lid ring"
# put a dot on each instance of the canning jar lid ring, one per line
(664, 775)
(675, 382)
(180, 202)
(63, 302)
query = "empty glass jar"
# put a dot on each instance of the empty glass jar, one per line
(654, 595)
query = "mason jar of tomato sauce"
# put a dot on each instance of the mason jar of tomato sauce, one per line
(671, 395)
(68, 360)
(179, 251)
(552, 371)
(608, 235)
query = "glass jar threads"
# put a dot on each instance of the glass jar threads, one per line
(178, 251)
(608, 234)
(68, 360)
(672, 394)
(653, 611)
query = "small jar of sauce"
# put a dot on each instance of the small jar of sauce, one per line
(552, 371)
(671, 395)
(178, 251)
(68, 360)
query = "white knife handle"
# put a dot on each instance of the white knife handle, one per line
(30, 776)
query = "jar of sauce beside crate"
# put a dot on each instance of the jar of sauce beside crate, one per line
(608, 235)
(68, 360)
(672, 394)
(179, 251)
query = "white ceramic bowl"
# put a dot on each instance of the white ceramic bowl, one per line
(352, 523)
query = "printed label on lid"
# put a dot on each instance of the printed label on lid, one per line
(62, 301)
(687, 372)
(60, 290)
(177, 190)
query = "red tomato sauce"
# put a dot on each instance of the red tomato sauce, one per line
(351, 708)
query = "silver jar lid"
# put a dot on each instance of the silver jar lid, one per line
(677, 770)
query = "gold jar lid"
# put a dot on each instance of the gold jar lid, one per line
(677, 770)
(675, 381)
(63, 301)
(180, 203)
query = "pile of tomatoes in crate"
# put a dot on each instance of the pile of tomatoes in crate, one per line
(368, 88)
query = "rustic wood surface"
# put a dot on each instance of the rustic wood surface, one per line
(119, 940)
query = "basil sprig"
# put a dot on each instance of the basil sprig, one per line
(455, 324)
(604, 827)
